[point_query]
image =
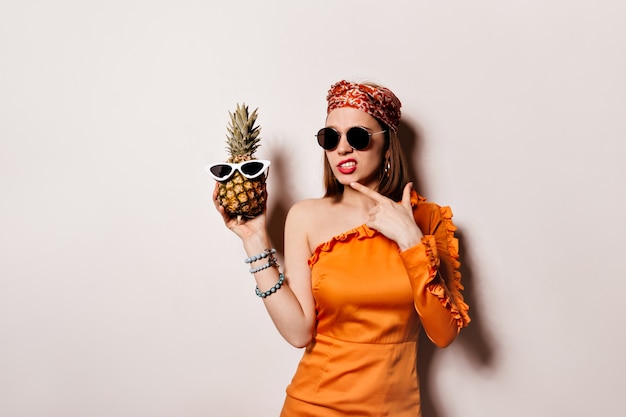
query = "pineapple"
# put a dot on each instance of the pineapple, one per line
(239, 195)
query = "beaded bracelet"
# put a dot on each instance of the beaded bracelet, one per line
(281, 280)
(271, 263)
(264, 254)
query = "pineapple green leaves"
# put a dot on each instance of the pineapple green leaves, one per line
(243, 136)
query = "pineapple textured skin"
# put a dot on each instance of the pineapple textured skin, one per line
(243, 197)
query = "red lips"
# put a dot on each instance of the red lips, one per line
(347, 166)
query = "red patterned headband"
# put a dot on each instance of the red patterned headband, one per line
(378, 102)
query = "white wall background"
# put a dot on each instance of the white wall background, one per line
(121, 294)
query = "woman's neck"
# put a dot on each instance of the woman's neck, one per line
(352, 197)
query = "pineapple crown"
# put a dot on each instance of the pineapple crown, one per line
(242, 139)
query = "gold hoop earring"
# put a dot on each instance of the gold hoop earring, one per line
(387, 168)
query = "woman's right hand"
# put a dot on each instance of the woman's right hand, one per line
(242, 227)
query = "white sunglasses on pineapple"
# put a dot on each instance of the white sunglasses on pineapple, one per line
(249, 169)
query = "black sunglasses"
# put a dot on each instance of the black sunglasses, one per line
(250, 169)
(358, 137)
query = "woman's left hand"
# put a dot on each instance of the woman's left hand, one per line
(392, 219)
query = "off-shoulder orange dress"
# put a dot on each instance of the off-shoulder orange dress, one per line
(371, 300)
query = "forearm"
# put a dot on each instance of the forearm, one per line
(431, 301)
(283, 306)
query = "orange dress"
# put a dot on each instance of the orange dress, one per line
(371, 300)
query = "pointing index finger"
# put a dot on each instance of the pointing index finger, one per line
(368, 192)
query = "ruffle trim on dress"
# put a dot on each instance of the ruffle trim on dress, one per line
(448, 290)
(416, 198)
(359, 232)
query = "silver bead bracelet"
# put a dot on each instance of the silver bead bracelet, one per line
(276, 287)
(272, 262)
(262, 255)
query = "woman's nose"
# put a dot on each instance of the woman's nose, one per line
(343, 147)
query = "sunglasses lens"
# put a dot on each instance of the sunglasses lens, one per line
(327, 138)
(252, 168)
(221, 170)
(358, 138)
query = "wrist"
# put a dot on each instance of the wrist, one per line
(408, 244)
(411, 239)
(256, 244)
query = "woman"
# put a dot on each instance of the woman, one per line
(366, 266)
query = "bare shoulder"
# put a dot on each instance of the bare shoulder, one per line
(306, 219)
(308, 206)
(305, 213)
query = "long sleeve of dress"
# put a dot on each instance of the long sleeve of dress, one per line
(433, 270)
